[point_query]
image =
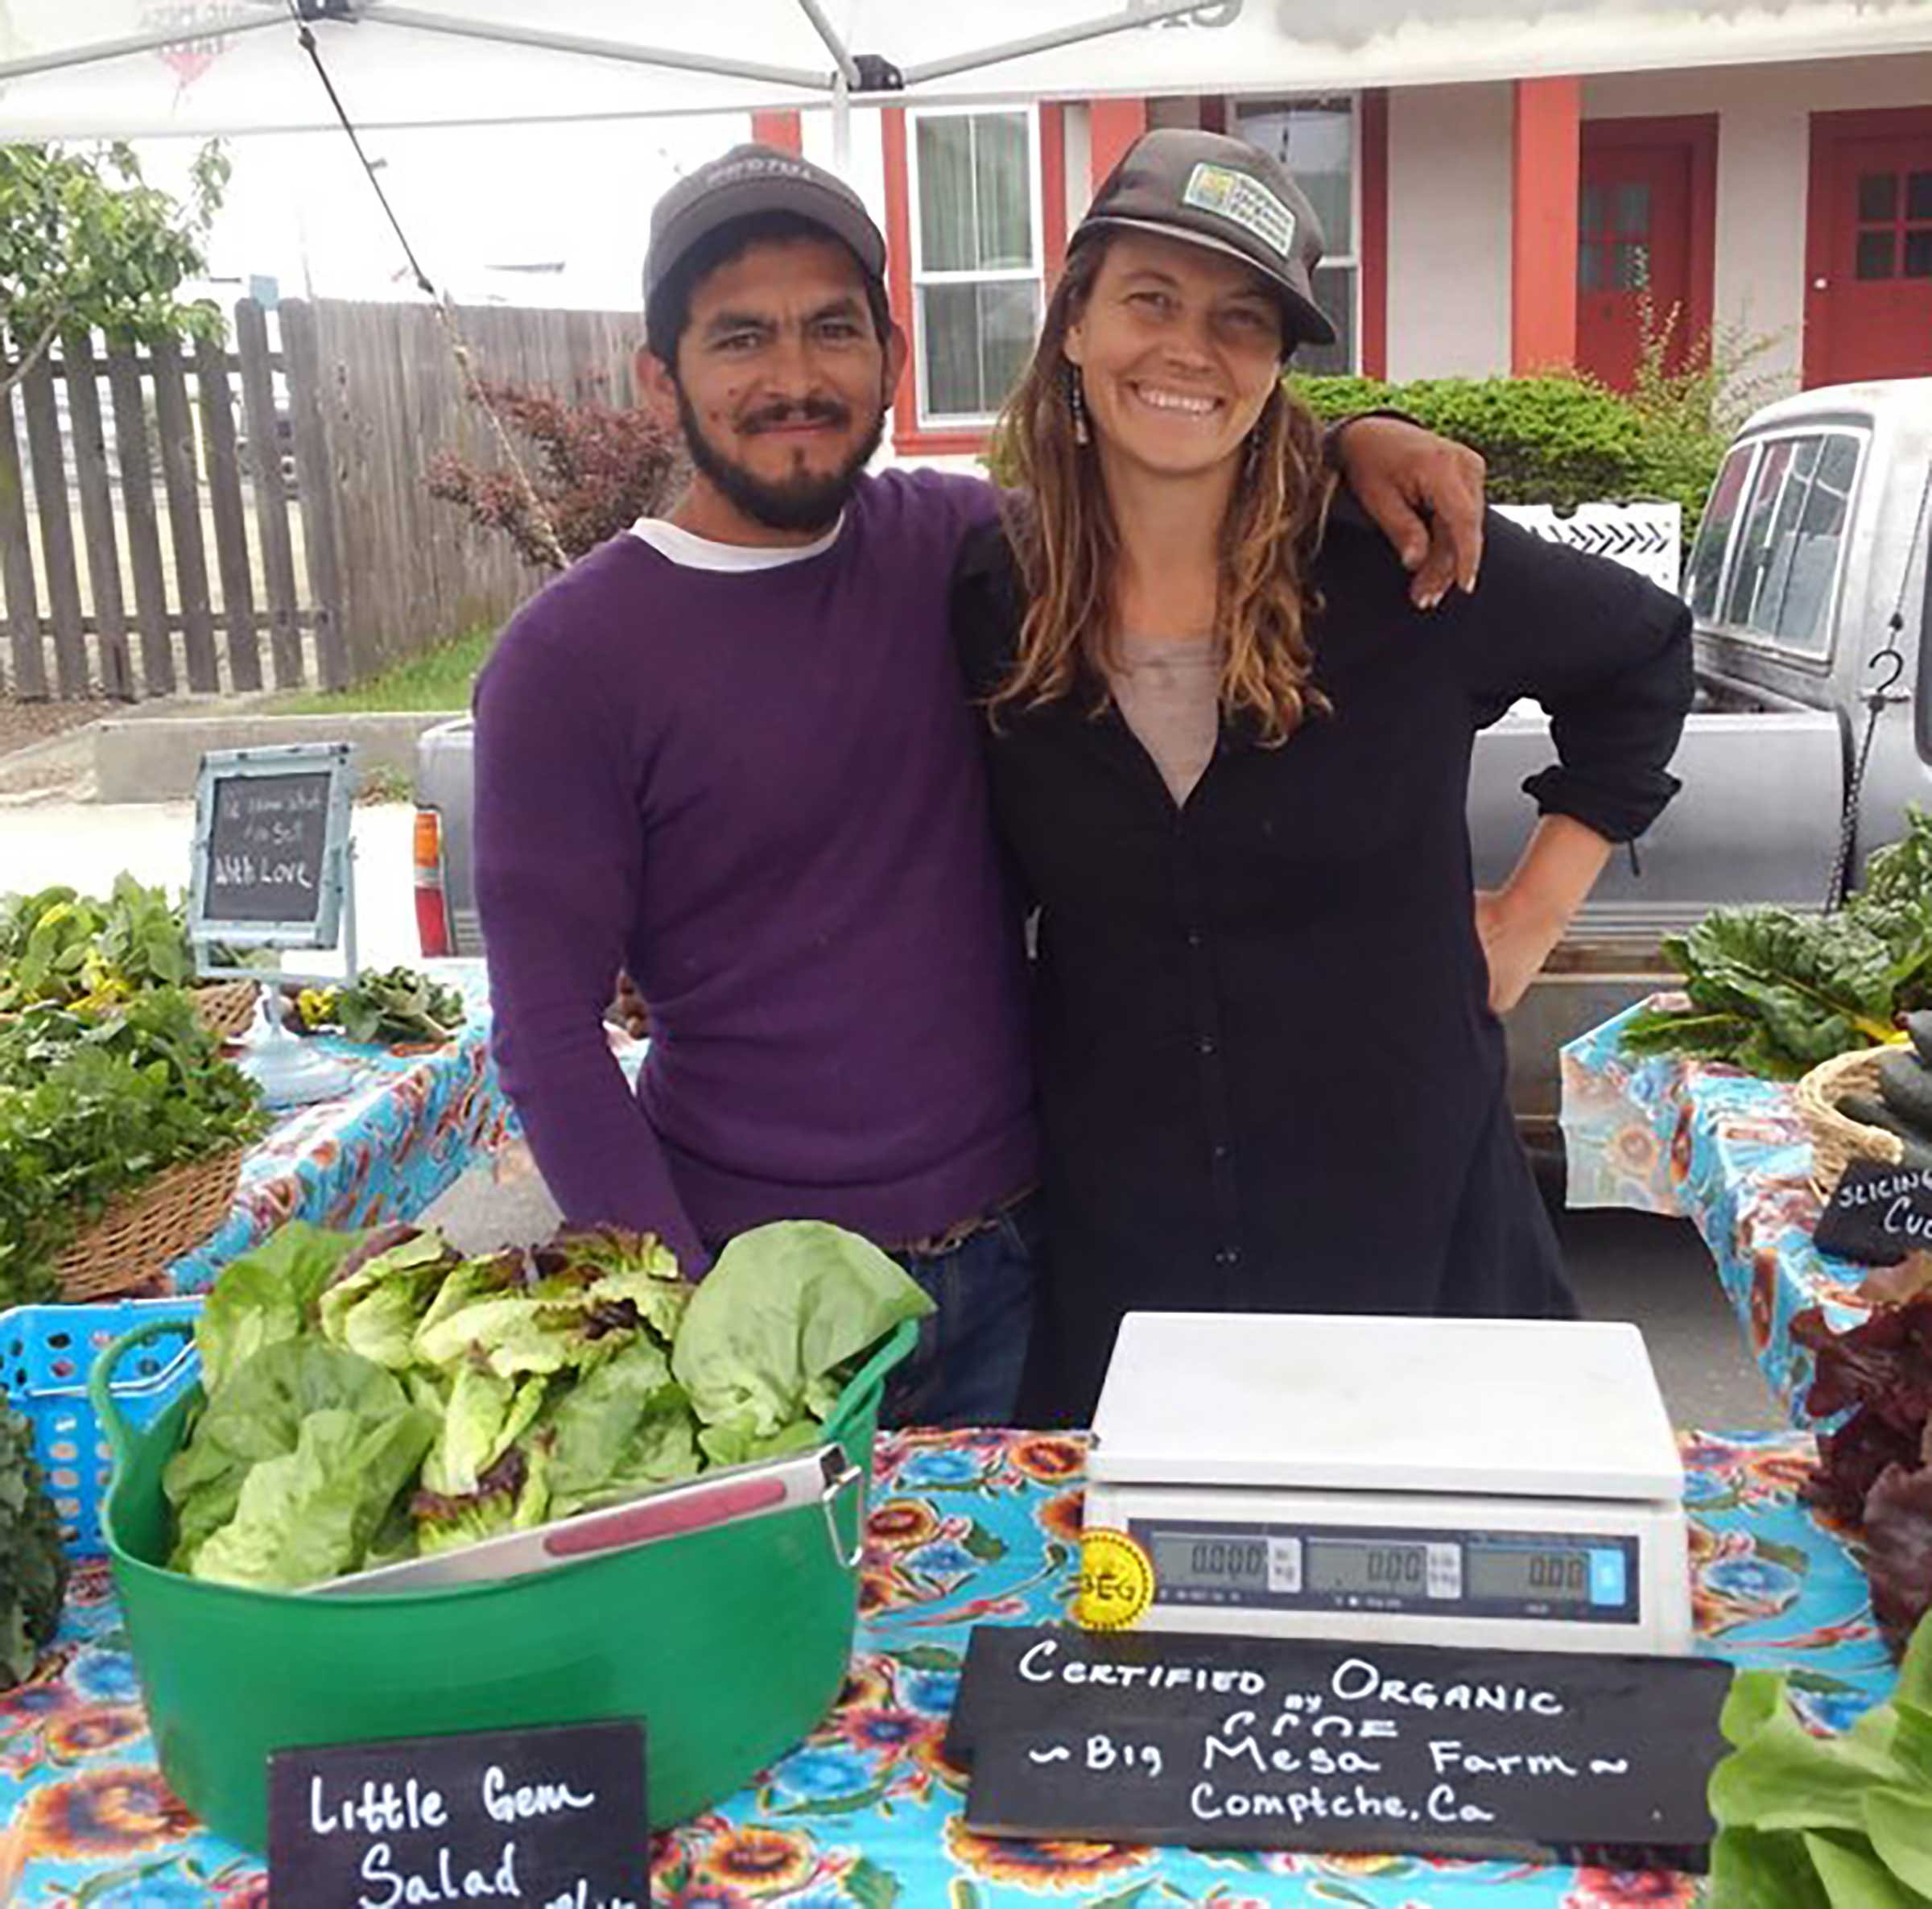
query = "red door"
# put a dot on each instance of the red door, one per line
(1643, 250)
(1868, 312)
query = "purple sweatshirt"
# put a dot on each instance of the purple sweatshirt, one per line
(762, 793)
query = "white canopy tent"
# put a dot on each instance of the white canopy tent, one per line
(74, 68)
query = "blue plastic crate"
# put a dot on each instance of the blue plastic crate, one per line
(46, 1355)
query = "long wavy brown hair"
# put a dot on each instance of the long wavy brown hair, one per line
(1063, 535)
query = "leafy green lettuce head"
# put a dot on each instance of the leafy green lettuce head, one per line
(584, 1297)
(375, 1433)
(485, 1417)
(312, 1513)
(267, 1296)
(619, 1429)
(513, 1495)
(777, 1325)
(379, 1292)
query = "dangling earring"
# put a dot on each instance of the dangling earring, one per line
(1076, 403)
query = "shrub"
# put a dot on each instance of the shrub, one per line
(1691, 403)
(1546, 440)
(594, 468)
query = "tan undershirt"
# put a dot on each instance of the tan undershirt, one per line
(1168, 689)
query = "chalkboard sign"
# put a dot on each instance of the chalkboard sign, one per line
(265, 854)
(1225, 1742)
(271, 845)
(545, 1816)
(1877, 1214)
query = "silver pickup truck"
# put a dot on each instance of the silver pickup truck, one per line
(1815, 540)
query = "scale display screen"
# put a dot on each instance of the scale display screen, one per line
(1209, 1562)
(1578, 1577)
(1399, 1568)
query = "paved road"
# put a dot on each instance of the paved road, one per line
(87, 844)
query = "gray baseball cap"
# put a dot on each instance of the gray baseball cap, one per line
(745, 182)
(1210, 190)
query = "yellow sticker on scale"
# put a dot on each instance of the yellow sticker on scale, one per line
(1117, 1580)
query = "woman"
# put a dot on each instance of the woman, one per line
(1231, 760)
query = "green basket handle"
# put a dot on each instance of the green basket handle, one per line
(896, 1346)
(101, 1379)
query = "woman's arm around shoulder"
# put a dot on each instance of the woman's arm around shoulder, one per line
(988, 605)
(1606, 653)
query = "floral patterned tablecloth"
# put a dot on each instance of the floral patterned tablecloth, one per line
(965, 1528)
(1728, 1151)
(414, 1118)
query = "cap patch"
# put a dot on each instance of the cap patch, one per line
(1242, 201)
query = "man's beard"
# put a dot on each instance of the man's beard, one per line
(806, 500)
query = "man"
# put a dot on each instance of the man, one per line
(730, 753)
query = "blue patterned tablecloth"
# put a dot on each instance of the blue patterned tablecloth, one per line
(1730, 1152)
(965, 1528)
(414, 1119)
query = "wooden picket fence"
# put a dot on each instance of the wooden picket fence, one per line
(203, 519)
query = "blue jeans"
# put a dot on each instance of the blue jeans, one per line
(966, 1369)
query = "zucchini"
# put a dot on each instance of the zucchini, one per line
(1905, 1087)
(1870, 1113)
(1919, 1027)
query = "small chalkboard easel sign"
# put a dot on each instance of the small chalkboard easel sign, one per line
(272, 851)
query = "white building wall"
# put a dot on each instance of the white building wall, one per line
(1764, 160)
(867, 173)
(1449, 219)
(1449, 151)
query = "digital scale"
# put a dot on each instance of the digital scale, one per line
(1512, 1484)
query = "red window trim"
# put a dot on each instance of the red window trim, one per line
(1828, 129)
(909, 437)
(1372, 251)
(1699, 132)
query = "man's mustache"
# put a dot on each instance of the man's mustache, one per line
(807, 411)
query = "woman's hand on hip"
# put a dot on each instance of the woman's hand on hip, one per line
(1516, 943)
(1520, 923)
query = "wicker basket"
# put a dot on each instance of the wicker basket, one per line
(1836, 1140)
(130, 1246)
(225, 1008)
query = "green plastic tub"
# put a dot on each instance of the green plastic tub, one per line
(729, 1644)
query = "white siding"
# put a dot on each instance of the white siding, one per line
(1449, 151)
(867, 177)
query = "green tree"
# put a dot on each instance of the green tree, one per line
(87, 243)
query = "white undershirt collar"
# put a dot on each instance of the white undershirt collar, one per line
(693, 552)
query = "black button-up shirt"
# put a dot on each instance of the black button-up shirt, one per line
(1268, 1074)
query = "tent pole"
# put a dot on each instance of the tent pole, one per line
(1046, 43)
(595, 49)
(115, 49)
(848, 67)
(841, 126)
